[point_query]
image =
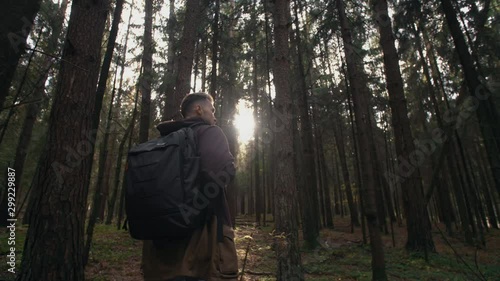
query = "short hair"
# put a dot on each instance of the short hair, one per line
(189, 100)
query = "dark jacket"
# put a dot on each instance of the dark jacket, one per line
(205, 254)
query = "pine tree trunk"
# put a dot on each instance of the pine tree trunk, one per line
(121, 205)
(418, 224)
(103, 152)
(322, 175)
(169, 75)
(308, 187)
(146, 78)
(355, 144)
(339, 140)
(61, 185)
(114, 195)
(183, 81)
(287, 244)
(360, 94)
(256, 147)
(229, 99)
(336, 183)
(271, 153)
(215, 49)
(486, 111)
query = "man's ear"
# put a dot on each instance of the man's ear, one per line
(198, 110)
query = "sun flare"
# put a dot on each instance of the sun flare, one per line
(244, 122)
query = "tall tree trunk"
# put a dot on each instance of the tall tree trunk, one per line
(308, 190)
(215, 49)
(56, 252)
(443, 190)
(146, 78)
(270, 115)
(355, 144)
(256, 150)
(480, 98)
(230, 100)
(360, 94)
(121, 205)
(183, 81)
(339, 140)
(102, 179)
(114, 195)
(256, 141)
(101, 89)
(322, 174)
(16, 20)
(287, 244)
(169, 75)
(418, 224)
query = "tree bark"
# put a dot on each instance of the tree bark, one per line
(308, 189)
(418, 224)
(339, 140)
(229, 99)
(286, 244)
(183, 81)
(114, 195)
(169, 75)
(360, 94)
(54, 243)
(215, 50)
(147, 73)
(103, 152)
(480, 98)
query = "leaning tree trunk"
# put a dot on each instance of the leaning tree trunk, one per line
(121, 204)
(287, 244)
(480, 97)
(360, 94)
(417, 219)
(54, 243)
(123, 59)
(16, 20)
(101, 89)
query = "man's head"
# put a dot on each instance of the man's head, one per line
(199, 105)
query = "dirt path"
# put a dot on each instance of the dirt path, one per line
(341, 257)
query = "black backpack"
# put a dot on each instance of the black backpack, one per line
(162, 182)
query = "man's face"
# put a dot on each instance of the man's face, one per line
(206, 110)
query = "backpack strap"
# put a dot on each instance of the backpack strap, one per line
(218, 212)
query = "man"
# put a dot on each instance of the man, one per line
(209, 253)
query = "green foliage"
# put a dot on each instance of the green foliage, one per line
(112, 246)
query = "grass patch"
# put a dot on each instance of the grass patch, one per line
(342, 256)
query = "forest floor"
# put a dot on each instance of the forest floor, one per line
(342, 256)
